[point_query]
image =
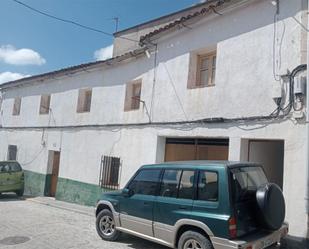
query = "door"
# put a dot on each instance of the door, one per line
(136, 211)
(5, 178)
(55, 173)
(174, 201)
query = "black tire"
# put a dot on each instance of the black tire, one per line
(271, 206)
(106, 215)
(20, 193)
(189, 236)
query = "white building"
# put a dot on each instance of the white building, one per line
(203, 83)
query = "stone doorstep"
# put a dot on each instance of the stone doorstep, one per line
(52, 202)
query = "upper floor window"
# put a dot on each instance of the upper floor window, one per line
(84, 100)
(45, 104)
(202, 70)
(133, 95)
(17, 105)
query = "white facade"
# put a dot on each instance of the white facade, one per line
(244, 41)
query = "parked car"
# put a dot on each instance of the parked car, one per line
(11, 178)
(198, 204)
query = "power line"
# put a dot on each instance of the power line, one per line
(69, 21)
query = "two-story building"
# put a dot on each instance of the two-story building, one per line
(222, 80)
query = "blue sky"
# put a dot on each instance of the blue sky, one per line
(31, 43)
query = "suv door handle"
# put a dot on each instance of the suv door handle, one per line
(183, 208)
(146, 203)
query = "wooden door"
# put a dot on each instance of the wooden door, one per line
(55, 173)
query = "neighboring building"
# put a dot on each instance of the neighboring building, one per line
(205, 85)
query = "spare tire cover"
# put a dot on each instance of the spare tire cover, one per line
(271, 205)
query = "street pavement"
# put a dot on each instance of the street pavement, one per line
(43, 223)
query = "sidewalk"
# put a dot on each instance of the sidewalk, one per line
(49, 201)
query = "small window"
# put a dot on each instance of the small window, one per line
(12, 153)
(110, 172)
(186, 186)
(146, 182)
(170, 183)
(206, 70)
(17, 105)
(133, 95)
(84, 100)
(208, 186)
(45, 104)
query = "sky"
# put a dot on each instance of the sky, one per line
(32, 44)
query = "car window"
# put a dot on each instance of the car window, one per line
(170, 183)
(186, 185)
(207, 186)
(145, 182)
(15, 167)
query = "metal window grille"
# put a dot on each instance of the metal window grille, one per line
(110, 172)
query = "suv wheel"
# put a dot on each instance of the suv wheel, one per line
(105, 226)
(20, 193)
(194, 240)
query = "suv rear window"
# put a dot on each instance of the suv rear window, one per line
(9, 167)
(246, 180)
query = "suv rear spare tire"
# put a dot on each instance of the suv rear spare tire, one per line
(271, 206)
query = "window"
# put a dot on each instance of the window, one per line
(202, 70)
(110, 172)
(206, 70)
(207, 186)
(12, 152)
(17, 105)
(133, 95)
(84, 100)
(145, 182)
(186, 185)
(170, 183)
(9, 167)
(45, 104)
(177, 183)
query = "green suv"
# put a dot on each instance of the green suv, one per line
(196, 205)
(11, 178)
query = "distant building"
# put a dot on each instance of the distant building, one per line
(209, 82)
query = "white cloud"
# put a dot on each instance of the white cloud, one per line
(23, 56)
(104, 53)
(9, 76)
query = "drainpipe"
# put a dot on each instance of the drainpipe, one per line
(307, 117)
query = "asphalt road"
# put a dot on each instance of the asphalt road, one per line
(38, 223)
(43, 223)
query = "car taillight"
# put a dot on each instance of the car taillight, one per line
(249, 247)
(22, 176)
(232, 228)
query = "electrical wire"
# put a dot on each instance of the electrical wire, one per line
(70, 21)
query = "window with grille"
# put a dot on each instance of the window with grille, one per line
(12, 152)
(45, 104)
(84, 100)
(110, 172)
(16, 106)
(133, 95)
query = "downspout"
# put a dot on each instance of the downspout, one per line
(307, 118)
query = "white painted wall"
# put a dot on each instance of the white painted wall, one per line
(244, 79)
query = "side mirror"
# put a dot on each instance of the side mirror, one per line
(127, 192)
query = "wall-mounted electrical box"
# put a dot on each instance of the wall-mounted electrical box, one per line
(277, 91)
(300, 85)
